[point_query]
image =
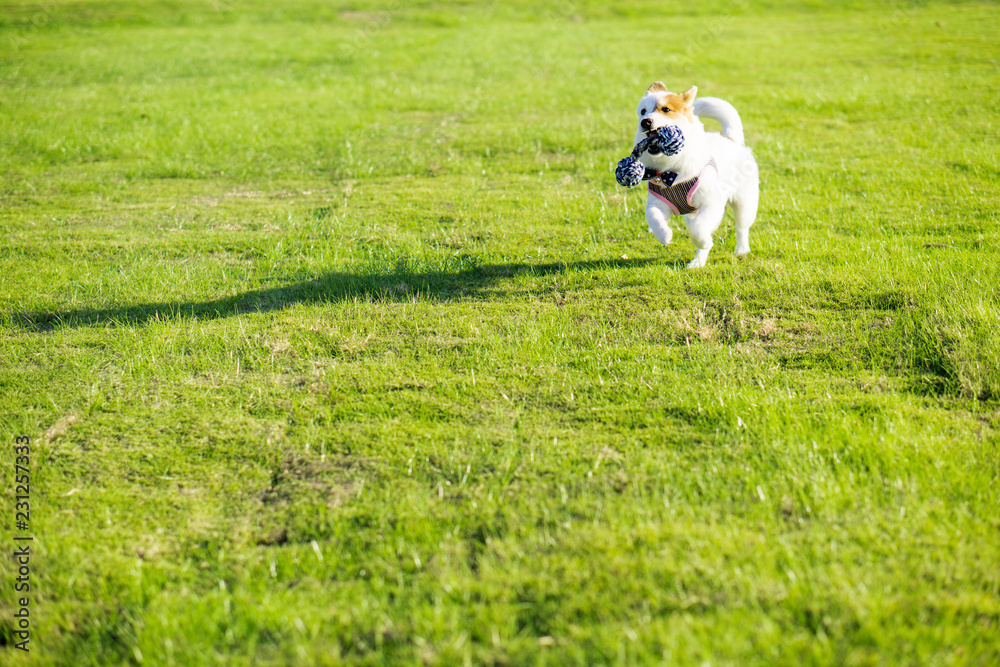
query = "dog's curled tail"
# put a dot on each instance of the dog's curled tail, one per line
(724, 112)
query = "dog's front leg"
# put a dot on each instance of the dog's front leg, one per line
(658, 218)
(702, 224)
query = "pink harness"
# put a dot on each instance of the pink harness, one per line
(678, 196)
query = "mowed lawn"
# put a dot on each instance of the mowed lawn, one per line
(336, 341)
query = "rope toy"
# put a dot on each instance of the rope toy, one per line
(630, 172)
(668, 140)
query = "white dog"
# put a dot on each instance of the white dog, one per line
(709, 171)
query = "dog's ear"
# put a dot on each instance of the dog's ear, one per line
(657, 87)
(688, 96)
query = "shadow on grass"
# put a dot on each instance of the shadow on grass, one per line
(399, 284)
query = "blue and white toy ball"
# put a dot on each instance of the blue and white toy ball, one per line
(629, 172)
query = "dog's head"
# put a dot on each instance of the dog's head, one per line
(659, 107)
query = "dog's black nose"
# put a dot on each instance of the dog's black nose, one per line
(646, 123)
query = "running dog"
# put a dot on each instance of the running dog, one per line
(698, 175)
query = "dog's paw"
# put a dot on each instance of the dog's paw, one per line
(700, 257)
(742, 249)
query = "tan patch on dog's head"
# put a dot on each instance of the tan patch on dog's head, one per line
(676, 106)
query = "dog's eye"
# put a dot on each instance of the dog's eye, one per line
(666, 110)
(642, 112)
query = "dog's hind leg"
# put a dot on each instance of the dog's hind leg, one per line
(702, 224)
(745, 212)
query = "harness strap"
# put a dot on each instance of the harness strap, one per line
(678, 195)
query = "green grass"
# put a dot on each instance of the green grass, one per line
(337, 341)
